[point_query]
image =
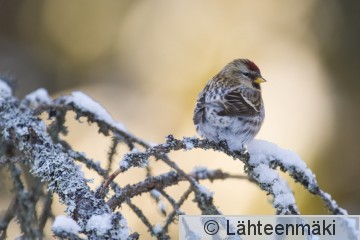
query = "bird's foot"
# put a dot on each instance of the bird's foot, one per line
(223, 144)
(242, 152)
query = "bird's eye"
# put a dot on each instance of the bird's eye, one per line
(246, 74)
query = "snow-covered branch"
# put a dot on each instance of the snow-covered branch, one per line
(26, 135)
(28, 144)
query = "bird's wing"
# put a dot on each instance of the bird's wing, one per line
(241, 101)
(199, 112)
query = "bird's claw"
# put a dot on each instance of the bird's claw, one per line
(223, 144)
(242, 152)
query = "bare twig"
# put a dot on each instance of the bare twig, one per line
(112, 152)
(7, 217)
(159, 183)
(176, 211)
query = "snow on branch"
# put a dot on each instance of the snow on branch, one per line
(28, 144)
(86, 104)
(26, 135)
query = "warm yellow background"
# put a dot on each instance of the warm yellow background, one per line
(146, 61)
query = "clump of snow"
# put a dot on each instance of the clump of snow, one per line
(263, 155)
(351, 226)
(332, 203)
(39, 96)
(282, 193)
(85, 103)
(265, 174)
(135, 158)
(118, 192)
(262, 147)
(328, 196)
(99, 223)
(155, 193)
(5, 90)
(157, 228)
(265, 152)
(201, 172)
(65, 224)
(162, 207)
(124, 164)
(205, 191)
(152, 144)
(282, 190)
(125, 230)
(284, 199)
(160, 204)
(188, 142)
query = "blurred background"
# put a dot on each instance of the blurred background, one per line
(146, 61)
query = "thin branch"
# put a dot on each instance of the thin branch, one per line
(111, 154)
(176, 210)
(46, 211)
(101, 192)
(160, 182)
(25, 204)
(7, 217)
(140, 215)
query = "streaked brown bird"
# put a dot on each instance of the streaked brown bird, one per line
(230, 107)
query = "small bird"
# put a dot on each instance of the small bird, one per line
(230, 108)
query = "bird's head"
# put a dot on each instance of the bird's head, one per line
(244, 72)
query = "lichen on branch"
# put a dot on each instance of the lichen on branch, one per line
(29, 144)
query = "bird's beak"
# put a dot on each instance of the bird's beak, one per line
(259, 80)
